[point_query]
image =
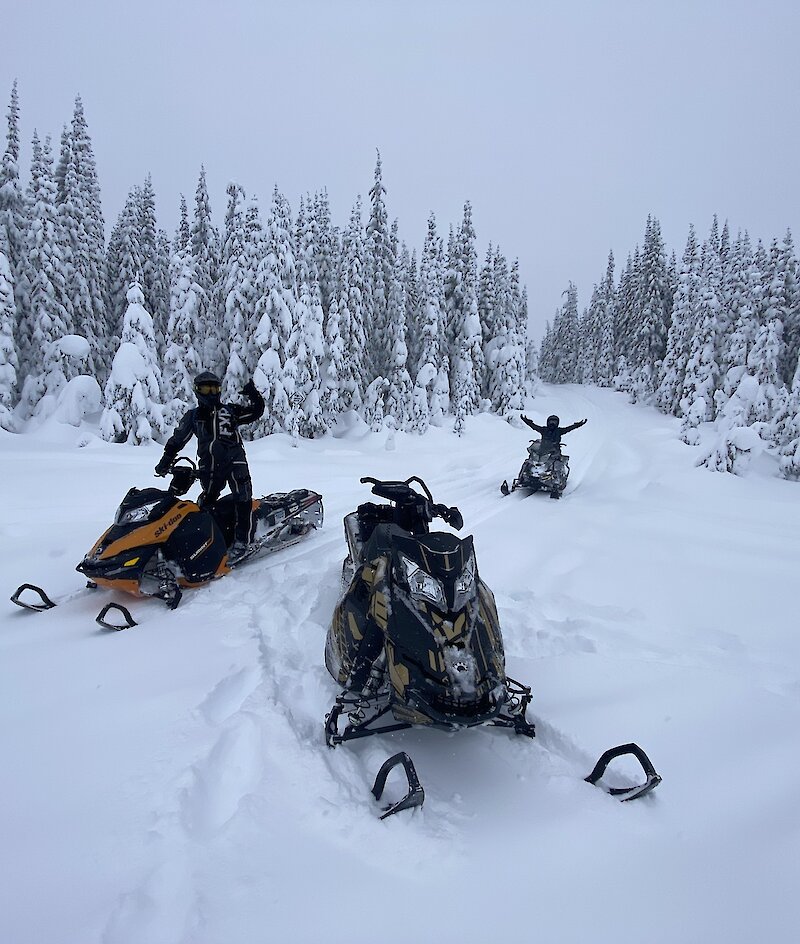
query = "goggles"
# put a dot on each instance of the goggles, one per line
(208, 388)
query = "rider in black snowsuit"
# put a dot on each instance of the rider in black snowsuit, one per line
(551, 434)
(220, 452)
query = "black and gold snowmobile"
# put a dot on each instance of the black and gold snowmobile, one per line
(415, 638)
(161, 544)
(541, 471)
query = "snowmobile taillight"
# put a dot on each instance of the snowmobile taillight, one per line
(422, 584)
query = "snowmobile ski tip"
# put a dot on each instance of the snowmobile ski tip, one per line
(415, 795)
(130, 622)
(626, 793)
(45, 604)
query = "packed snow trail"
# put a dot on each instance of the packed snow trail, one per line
(171, 785)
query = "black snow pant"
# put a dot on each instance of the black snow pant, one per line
(231, 470)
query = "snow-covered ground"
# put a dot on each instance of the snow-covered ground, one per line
(171, 783)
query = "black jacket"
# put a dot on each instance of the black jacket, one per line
(551, 435)
(217, 431)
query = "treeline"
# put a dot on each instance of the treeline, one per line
(714, 339)
(325, 318)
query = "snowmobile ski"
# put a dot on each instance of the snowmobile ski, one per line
(626, 793)
(130, 622)
(45, 603)
(415, 795)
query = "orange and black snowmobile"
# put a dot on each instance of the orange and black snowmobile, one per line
(161, 544)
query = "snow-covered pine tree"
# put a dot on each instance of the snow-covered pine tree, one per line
(461, 297)
(9, 361)
(51, 311)
(380, 263)
(238, 280)
(326, 250)
(702, 374)
(276, 300)
(80, 211)
(13, 222)
(399, 391)
(567, 338)
(682, 330)
(304, 348)
(124, 260)
(771, 404)
(790, 449)
(432, 330)
(182, 361)
(352, 313)
(505, 350)
(205, 248)
(606, 316)
(334, 368)
(650, 338)
(133, 412)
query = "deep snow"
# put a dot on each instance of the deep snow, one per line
(171, 783)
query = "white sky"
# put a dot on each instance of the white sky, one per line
(564, 123)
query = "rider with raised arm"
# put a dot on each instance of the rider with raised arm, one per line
(551, 433)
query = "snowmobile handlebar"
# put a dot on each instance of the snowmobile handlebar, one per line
(401, 493)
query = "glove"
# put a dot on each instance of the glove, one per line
(164, 465)
(250, 387)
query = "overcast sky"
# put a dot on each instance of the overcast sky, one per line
(565, 123)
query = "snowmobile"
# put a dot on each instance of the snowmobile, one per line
(415, 638)
(161, 544)
(548, 472)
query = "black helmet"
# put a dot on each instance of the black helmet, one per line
(207, 389)
(552, 420)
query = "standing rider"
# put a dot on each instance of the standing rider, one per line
(220, 452)
(551, 434)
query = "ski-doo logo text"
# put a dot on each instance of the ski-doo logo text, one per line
(167, 525)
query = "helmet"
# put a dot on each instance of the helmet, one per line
(207, 388)
(552, 420)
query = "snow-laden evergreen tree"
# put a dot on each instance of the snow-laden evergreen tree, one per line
(785, 300)
(790, 449)
(80, 211)
(133, 412)
(205, 248)
(51, 311)
(334, 365)
(771, 404)
(325, 249)
(650, 337)
(682, 329)
(13, 222)
(567, 338)
(432, 330)
(9, 361)
(276, 300)
(741, 293)
(606, 320)
(702, 374)
(406, 272)
(504, 352)
(399, 391)
(374, 403)
(467, 363)
(304, 348)
(182, 361)
(124, 260)
(352, 313)
(238, 289)
(380, 273)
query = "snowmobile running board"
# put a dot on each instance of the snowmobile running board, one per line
(130, 622)
(626, 793)
(415, 795)
(45, 604)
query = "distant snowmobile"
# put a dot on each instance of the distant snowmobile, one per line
(541, 472)
(415, 639)
(161, 544)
